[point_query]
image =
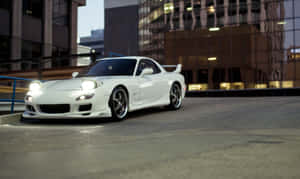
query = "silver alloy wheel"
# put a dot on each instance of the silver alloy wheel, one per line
(175, 96)
(119, 103)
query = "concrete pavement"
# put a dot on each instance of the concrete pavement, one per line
(207, 138)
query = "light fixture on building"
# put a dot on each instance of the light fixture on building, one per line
(225, 86)
(212, 29)
(212, 58)
(198, 87)
(189, 8)
(238, 85)
(274, 84)
(287, 84)
(281, 22)
(260, 86)
(211, 9)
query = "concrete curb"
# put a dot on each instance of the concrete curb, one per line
(10, 118)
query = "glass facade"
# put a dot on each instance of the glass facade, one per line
(33, 8)
(5, 7)
(61, 28)
(225, 44)
(61, 15)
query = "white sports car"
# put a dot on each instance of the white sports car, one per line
(111, 87)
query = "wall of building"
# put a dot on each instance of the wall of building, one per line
(38, 29)
(222, 42)
(121, 27)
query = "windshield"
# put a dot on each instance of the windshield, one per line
(113, 67)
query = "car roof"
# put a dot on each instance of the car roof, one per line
(138, 58)
(127, 57)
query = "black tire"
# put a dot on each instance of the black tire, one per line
(118, 104)
(175, 97)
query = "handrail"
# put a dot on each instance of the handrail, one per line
(13, 100)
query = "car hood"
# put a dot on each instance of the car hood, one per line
(75, 83)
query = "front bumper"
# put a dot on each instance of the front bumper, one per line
(99, 106)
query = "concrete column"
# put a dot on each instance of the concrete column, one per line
(171, 17)
(215, 14)
(193, 16)
(47, 36)
(238, 12)
(249, 17)
(16, 40)
(73, 32)
(262, 16)
(226, 18)
(181, 11)
(203, 15)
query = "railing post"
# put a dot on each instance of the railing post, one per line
(13, 97)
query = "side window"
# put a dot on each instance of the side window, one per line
(153, 66)
(141, 67)
(147, 64)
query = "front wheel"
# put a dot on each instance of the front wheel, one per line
(175, 97)
(118, 103)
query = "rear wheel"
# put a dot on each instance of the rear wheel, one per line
(175, 97)
(119, 104)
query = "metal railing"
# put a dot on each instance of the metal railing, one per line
(13, 98)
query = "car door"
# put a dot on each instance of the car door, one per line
(150, 86)
(145, 84)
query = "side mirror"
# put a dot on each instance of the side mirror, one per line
(147, 71)
(74, 74)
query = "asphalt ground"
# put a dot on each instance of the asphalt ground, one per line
(206, 138)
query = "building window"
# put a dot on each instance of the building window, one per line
(4, 48)
(234, 75)
(188, 76)
(5, 4)
(60, 57)
(31, 50)
(61, 12)
(33, 8)
(203, 76)
(218, 77)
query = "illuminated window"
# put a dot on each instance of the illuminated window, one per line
(237, 85)
(198, 87)
(274, 84)
(260, 86)
(211, 9)
(287, 84)
(225, 86)
(168, 8)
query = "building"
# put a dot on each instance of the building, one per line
(121, 27)
(224, 44)
(95, 41)
(31, 29)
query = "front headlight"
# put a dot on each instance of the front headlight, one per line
(35, 86)
(88, 85)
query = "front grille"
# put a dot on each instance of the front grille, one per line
(55, 108)
(30, 108)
